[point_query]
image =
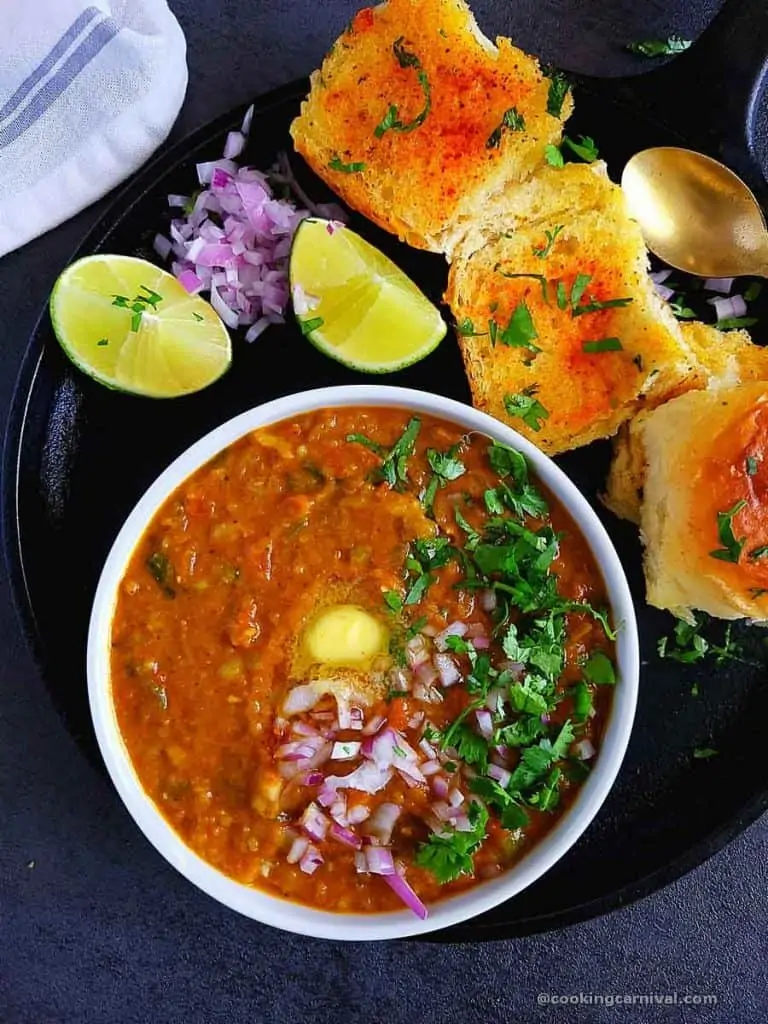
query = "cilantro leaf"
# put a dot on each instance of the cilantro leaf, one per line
(732, 548)
(558, 90)
(391, 120)
(528, 408)
(337, 164)
(595, 305)
(553, 156)
(471, 747)
(602, 345)
(445, 468)
(512, 121)
(585, 149)
(520, 332)
(448, 854)
(467, 329)
(551, 237)
(704, 753)
(393, 600)
(733, 323)
(598, 669)
(311, 324)
(393, 468)
(682, 312)
(659, 47)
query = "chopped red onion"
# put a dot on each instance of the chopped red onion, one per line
(361, 864)
(488, 600)
(374, 725)
(300, 698)
(427, 749)
(189, 281)
(442, 810)
(454, 629)
(314, 822)
(729, 308)
(177, 201)
(415, 720)
(462, 823)
(312, 778)
(303, 303)
(358, 814)
(399, 679)
(430, 767)
(162, 246)
(345, 750)
(501, 775)
(234, 145)
(484, 722)
(440, 786)
(664, 292)
(339, 810)
(368, 778)
(660, 276)
(297, 850)
(311, 860)
(427, 674)
(448, 670)
(345, 836)
(379, 861)
(584, 750)
(399, 886)
(481, 643)
(410, 772)
(455, 797)
(722, 285)
(303, 729)
(298, 750)
(417, 651)
(382, 822)
(475, 629)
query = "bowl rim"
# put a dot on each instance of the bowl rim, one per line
(260, 905)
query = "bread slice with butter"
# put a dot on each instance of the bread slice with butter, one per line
(554, 305)
(416, 118)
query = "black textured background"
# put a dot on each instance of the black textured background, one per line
(95, 927)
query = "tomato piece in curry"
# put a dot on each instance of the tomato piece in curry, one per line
(469, 724)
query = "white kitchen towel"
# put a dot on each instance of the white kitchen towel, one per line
(88, 90)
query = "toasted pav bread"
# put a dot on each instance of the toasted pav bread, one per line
(704, 516)
(415, 118)
(574, 326)
(726, 358)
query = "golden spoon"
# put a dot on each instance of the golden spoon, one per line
(695, 214)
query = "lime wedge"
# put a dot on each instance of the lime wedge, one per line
(132, 326)
(355, 304)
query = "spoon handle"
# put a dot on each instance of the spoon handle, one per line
(715, 94)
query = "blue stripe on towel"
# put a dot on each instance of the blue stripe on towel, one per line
(50, 60)
(77, 61)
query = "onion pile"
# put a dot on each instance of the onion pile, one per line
(232, 240)
(726, 306)
(337, 768)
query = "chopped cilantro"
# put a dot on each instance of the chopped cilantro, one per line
(598, 668)
(753, 291)
(760, 552)
(467, 329)
(511, 120)
(393, 600)
(394, 466)
(751, 465)
(732, 548)
(690, 646)
(602, 345)
(585, 149)
(562, 296)
(520, 332)
(704, 753)
(659, 47)
(595, 305)
(448, 854)
(527, 407)
(445, 467)
(161, 571)
(391, 120)
(582, 701)
(198, 317)
(312, 324)
(579, 287)
(682, 312)
(534, 277)
(551, 237)
(733, 323)
(102, 342)
(138, 305)
(558, 90)
(337, 164)
(553, 156)
(470, 746)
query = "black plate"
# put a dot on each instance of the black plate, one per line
(77, 457)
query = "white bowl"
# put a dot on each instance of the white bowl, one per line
(270, 909)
